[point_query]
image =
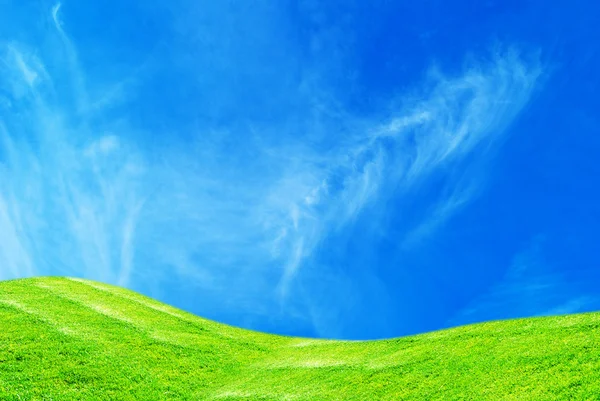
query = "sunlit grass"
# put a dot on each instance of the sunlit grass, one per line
(67, 339)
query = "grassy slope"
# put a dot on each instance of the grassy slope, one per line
(64, 339)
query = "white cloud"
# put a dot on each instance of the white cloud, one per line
(13, 253)
(443, 125)
(55, 11)
(61, 199)
(574, 305)
(103, 146)
(232, 210)
(529, 287)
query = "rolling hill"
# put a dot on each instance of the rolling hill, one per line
(72, 339)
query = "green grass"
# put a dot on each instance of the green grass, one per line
(67, 339)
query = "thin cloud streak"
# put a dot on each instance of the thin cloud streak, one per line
(83, 198)
(67, 203)
(444, 126)
(531, 286)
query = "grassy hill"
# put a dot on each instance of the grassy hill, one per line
(70, 339)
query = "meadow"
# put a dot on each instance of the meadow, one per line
(73, 339)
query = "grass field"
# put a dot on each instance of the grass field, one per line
(70, 339)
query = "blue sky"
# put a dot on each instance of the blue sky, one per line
(343, 169)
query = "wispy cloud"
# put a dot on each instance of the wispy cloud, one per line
(69, 190)
(531, 286)
(233, 212)
(446, 123)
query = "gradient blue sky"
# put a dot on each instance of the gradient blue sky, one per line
(346, 169)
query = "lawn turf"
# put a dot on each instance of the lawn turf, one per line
(72, 339)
